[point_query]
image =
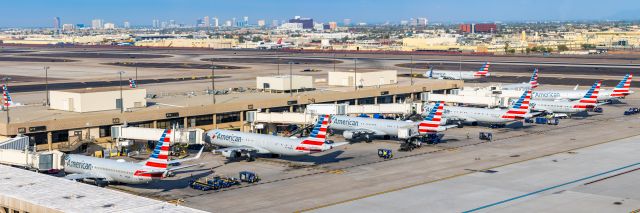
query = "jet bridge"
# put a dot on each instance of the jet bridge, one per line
(16, 152)
(188, 136)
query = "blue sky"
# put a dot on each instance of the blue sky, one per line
(34, 13)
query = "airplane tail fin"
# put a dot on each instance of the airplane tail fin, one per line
(6, 97)
(622, 89)
(533, 82)
(590, 99)
(520, 108)
(484, 70)
(132, 83)
(156, 165)
(430, 72)
(431, 123)
(315, 141)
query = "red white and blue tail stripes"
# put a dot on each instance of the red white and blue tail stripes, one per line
(484, 70)
(132, 83)
(533, 82)
(431, 123)
(520, 108)
(622, 89)
(591, 98)
(315, 141)
(159, 159)
(6, 97)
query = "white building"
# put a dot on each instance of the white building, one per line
(126, 25)
(284, 83)
(291, 26)
(68, 27)
(96, 24)
(97, 99)
(109, 26)
(363, 78)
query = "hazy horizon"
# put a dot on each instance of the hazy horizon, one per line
(40, 13)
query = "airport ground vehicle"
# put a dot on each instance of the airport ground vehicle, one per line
(215, 183)
(416, 142)
(549, 121)
(631, 111)
(249, 177)
(486, 136)
(385, 153)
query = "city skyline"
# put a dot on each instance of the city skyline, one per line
(38, 13)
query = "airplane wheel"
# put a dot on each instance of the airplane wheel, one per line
(368, 138)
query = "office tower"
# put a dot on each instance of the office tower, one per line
(275, 23)
(126, 25)
(96, 24)
(206, 21)
(215, 22)
(56, 24)
(261, 23)
(156, 24)
(346, 22)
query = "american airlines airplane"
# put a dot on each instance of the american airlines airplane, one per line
(244, 144)
(7, 101)
(273, 45)
(532, 84)
(621, 90)
(368, 128)
(132, 83)
(518, 111)
(588, 101)
(104, 171)
(459, 75)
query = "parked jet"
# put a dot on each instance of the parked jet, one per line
(368, 128)
(518, 111)
(459, 75)
(7, 101)
(532, 84)
(621, 90)
(272, 45)
(243, 144)
(588, 101)
(132, 83)
(104, 171)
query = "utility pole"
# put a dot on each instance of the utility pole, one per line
(355, 73)
(121, 98)
(213, 82)
(411, 70)
(278, 62)
(46, 83)
(290, 79)
(334, 61)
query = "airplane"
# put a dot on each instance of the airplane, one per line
(368, 128)
(588, 101)
(104, 171)
(621, 90)
(532, 84)
(517, 111)
(459, 75)
(7, 101)
(272, 45)
(132, 83)
(244, 144)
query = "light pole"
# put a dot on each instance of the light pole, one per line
(411, 70)
(136, 66)
(278, 62)
(46, 83)
(6, 103)
(213, 82)
(355, 73)
(334, 61)
(290, 79)
(121, 98)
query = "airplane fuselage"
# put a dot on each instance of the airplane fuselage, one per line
(452, 74)
(555, 106)
(111, 170)
(381, 127)
(568, 95)
(471, 114)
(264, 144)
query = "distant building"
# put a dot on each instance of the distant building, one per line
(156, 23)
(261, 23)
(68, 27)
(199, 23)
(346, 22)
(228, 23)
(333, 25)
(326, 27)
(126, 25)
(275, 23)
(79, 26)
(478, 28)
(245, 21)
(291, 26)
(56, 24)
(422, 22)
(307, 23)
(206, 21)
(109, 26)
(233, 22)
(215, 22)
(96, 24)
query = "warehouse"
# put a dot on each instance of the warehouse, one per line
(363, 78)
(284, 83)
(97, 99)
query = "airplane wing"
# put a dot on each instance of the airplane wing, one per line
(367, 131)
(236, 149)
(187, 159)
(464, 119)
(86, 176)
(173, 168)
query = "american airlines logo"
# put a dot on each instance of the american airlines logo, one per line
(546, 95)
(79, 165)
(224, 137)
(345, 122)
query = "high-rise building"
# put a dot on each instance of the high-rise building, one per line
(228, 23)
(68, 27)
(233, 22)
(172, 23)
(307, 23)
(109, 26)
(275, 23)
(207, 21)
(56, 24)
(156, 24)
(422, 22)
(215, 22)
(245, 21)
(478, 28)
(199, 22)
(126, 25)
(333, 25)
(96, 24)
(346, 22)
(261, 23)
(163, 25)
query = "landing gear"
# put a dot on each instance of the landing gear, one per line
(368, 138)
